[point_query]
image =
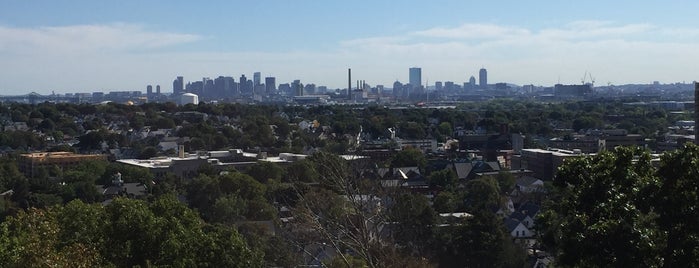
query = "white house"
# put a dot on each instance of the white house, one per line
(517, 229)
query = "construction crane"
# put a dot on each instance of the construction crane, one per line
(592, 79)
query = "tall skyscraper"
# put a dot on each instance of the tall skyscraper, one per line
(415, 77)
(208, 90)
(222, 87)
(149, 91)
(157, 91)
(483, 78)
(270, 85)
(297, 87)
(256, 78)
(178, 86)
(243, 84)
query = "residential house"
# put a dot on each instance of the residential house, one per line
(526, 214)
(469, 170)
(403, 177)
(517, 229)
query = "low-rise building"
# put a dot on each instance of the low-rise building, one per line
(544, 163)
(30, 163)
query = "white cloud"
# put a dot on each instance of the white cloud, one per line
(86, 38)
(474, 31)
(614, 52)
(85, 58)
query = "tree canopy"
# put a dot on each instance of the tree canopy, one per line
(125, 233)
(615, 209)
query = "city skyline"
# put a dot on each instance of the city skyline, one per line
(85, 46)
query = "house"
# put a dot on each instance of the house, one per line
(528, 184)
(129, 189)
(463, 170)
(506, 209)
(526, 213)
(453, 219)
(17, 126)
(517, 229)
(167, 145)
(403, 177)
(119, 188)
(467, 171)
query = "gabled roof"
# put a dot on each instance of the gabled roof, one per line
(530, 209)
(526, 181)
(511, 224)
(519, 216)
(382, 172)
(407, 170)
(463, 169)
(130, 188)
(398, 173)
(495, 166)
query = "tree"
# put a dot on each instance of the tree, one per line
(31, 239)
(301, 171)
(125, 233)
(91, 141)
(264, 171)
(148, 152)
(605, 214)
(677, 200)
(445, 178)
(410, 157)
(445, 202)
(416, 221)
(482, 194)
(479, 241)
(345, 211)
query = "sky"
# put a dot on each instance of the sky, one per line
(86, 46)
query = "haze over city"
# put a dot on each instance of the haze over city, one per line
(85, 46)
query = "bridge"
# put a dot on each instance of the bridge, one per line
(34, 98)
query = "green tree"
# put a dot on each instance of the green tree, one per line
(604, 214)
(301, 171)
(264, 171)
(482, 194)
(445, 178)
(445, 129)
(479, 241)
(677, 199)
(416, 222)
(445, 202)
(31, 239)
(409, 157)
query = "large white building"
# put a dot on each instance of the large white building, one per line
(188, 98)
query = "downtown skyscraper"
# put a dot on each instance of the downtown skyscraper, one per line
(483, 78)
(415, 76)
(178, 86)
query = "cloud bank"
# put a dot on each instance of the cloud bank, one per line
(121, 56)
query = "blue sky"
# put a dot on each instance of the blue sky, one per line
(85, 46)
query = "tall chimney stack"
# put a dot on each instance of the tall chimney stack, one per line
(349, 83)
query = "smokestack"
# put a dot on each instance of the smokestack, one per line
(349, 83)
